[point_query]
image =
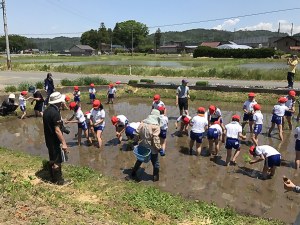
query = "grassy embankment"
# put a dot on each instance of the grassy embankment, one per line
(95, 199)
(204, 67)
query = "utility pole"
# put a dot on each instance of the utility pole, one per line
(132, 41)
(6, 35)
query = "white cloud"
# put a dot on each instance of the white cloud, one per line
(260, 26)
(227, 23)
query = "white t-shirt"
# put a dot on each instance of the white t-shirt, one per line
(199, 123)
(217, 113)
(22, 101)
(76, 93)
(218, 127)
(164, 121)
(258, 117)
(112, 90)
(79, 116)
(134, 125)
(122, 120)
(249, 105)
(88, 117)
(290, 102)
(92, 90)
(297, 131)
(155, 105)
(266, 151)
(179, 119)
(233, 129)
(280, 109)
(97, 115)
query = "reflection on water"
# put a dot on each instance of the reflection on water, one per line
(193, 177)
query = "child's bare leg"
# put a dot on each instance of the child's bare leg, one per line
(271, 129)
(198, 148)
(254, 139)
(251, 126)
(236, 154)
(289, 119)
(23, 116)
(210, 146)
(163, 143)
(297, 160)
(86, 134)
(99, 133)
(265, 171)
(217, 147)
(273, 169)
(228, 157)
(191, 144)
(79, 136)
(280, 132)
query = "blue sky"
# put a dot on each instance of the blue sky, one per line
(73, 16)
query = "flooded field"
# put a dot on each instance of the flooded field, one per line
(199, 178)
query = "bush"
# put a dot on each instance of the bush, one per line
(133, 81)
(202, 83)
(148, 81)
(66, 82)
(84, 81)
(202, 51)
(39, 85)
(24, 86)
(10, 88)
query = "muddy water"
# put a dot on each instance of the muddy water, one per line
(193, 177)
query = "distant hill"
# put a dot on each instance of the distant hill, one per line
(195, 36)
(55, 44)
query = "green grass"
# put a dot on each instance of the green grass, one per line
(93, 198)
(86, 80)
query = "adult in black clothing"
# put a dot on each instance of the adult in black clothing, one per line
(54, 138)
(48, 86)
(39, 101)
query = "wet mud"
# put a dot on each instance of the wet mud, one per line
(194, 177)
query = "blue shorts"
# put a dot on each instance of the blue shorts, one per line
(163, 134)
(287, 113)
(92, 96)
(273, 160)
(248, 117)
(212, 120)
(257, 129)
(23, 108)
(76, 99)
(297, 145)
(212, 133)
(196, 137)
(276, 119)
(82, 125)
(129, 131)
(111, 96)
(232, 143)
(101, 127)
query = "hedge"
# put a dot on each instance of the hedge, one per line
(148, 81)
(202, 83)
(203, 51)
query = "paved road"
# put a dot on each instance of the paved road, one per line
(14, 78)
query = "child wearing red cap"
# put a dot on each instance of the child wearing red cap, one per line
(92, 93)
(258, 123)
(120, 122)
(214, 114)
(22, 103)
(184, 121)
(76, 95)
(268, 154)
(164, 121)
(80, 120)
(97, 120)
(278, 114)
(87, 116)
(248, 111)
(111, 93)
(199, 125)
(290, 103)
(157, 102)
(64, 104)
(233, 131)
(297, 147)
(213, 135)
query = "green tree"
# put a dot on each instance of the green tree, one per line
(157, 38)
(129, 30)
(17, 43)
(90, 38)
(103, 34)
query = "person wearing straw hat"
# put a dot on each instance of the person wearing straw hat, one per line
(148, 133)
(55, 141)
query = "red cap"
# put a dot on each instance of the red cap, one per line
(282, 100)
(114, 120)
(212, 109)
(256, 107)
(67, 98)
(292, 93)
(251, 94)
(161, 108)
(76, 88)
(118, 82)
(156, 97)
(72, 105)
(111, 85)
(87, 112)
(96, 104)
(236, 117)
(186, 120)
(24, 93)
(92, 85)
(217, 122)
(252, 149)
(201, 110)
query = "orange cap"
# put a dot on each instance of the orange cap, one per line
(292, 93)
(201, 110)
(24, 93)
(282, 100)
(92, 85)
(72, 105)
(236, 117)
(114, 120)
(67, 98)
(110, 85)
(251, 94)
(156, 97)
(257, 107)
(212, 109)
(96, 104)
(252, 149)
(76, 88)
(186, 120)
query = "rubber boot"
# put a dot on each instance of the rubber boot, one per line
(155, 174)
(135, 168)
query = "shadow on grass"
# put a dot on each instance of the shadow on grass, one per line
(44, 172)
